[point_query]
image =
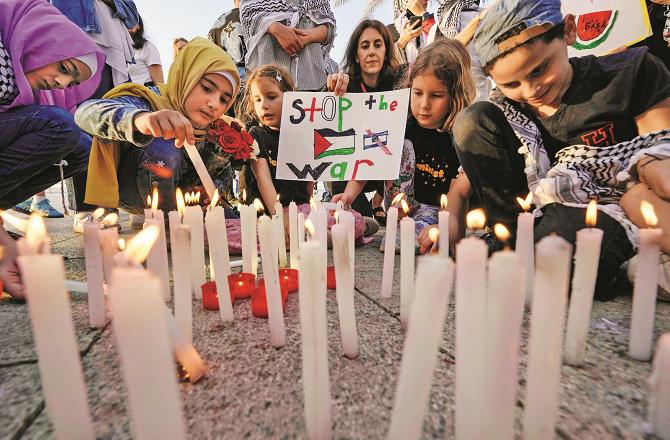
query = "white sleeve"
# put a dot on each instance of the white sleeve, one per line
(151, 54)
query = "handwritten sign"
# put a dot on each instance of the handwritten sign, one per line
(358, 136)
(605, 25)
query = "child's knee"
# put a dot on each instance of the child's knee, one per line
(471, 119)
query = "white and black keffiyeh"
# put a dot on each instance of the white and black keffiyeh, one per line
(448, 15)
(583, 172)
(8, 88)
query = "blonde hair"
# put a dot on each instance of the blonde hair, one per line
(276, 73)
(449, 62)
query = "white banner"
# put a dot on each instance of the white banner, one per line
(358, 136)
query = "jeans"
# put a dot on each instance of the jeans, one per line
(32, 139)
(487, 148)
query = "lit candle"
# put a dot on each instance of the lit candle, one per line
(219, 259)
(419, 356)
(43, 276)
(272, 288)
(347, 219)
(314, 331)
(146, 362)
(587, 256)
(94, 271)
(504, 313)
(109, 238)
(443, 226)
(245, 223)
(646, 287)
(293, 233)
(193, 217)
(157, 261)
(289, 277)
(242, 284)
(389, 247)
(345, 290)
(279, 227)
(407, 256)
(471, 256)
(659, 399)
(525, 244)
(550, 296)
(181, 269)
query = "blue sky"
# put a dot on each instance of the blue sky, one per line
(165, 20)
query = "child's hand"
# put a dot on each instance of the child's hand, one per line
(9, 271)
(425, 243)
(337, 83)
(288, 38)
(166, 124)
(345, 198)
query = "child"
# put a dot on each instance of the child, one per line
(263, 102)
(441, 86)
(563, 128)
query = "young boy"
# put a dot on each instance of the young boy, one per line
(550, 102)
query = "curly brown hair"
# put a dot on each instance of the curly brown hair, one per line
(272, 71)
(449, 62)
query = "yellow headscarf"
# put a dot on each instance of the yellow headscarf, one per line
(196, 59)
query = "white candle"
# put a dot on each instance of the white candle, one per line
(278, 232)
(645, 288)
(503, 330)
(659, 399)
(181, 258)
(434, 280)
(407, 256)
(471, 256)
(443, 226)
(525, 244)
(94, 275)
(56, 344)
(109, 238)
(347, 219)
(272, 289)
(246, 238)
(345, 290)
(550, 296)
(157, 261)
(146, 363)
(183, 350)
(193, 218)
(389, 252)
(314, 331)
(219, 259)
(587, 256)
(293, 234)
(281, 242)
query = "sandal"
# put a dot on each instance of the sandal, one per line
(381, 219)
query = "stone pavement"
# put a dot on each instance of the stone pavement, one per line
(254, 391)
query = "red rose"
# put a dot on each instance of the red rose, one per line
(230, 141)
(247, 138)
(236, 126)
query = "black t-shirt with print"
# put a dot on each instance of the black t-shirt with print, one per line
(436, 162)
(604, 97)
(288, 190)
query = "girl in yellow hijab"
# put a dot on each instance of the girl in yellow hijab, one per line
(139, 132)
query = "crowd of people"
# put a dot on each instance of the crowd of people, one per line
(93, 107)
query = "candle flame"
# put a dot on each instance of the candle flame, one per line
(405, 206)
(148, 199)
(648, 213)
(240, 283)
(196, 198)
(244, 196)
(397, 199)
(433, 234)
(525, 203)
(154, 200)
(181, 205)
(215, 198)
(277, 197)
(98, 213)
(110, 219)
(476, 219)
(337, 216)
(592, 213)
(139, 246)
(444, 201)
(36, 231)
(501, 232)
(258, 205)
(121, 244)
(309, 227)
(17, 222)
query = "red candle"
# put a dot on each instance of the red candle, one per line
(259, 306)
(210, 299)
(289, 277)
(242, 284)
(330, 277)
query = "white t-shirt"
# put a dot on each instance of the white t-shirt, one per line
(144, 57)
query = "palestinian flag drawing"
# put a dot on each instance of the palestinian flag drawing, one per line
(329, 142)
(594, 28)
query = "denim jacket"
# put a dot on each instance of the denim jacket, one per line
(82, 13)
